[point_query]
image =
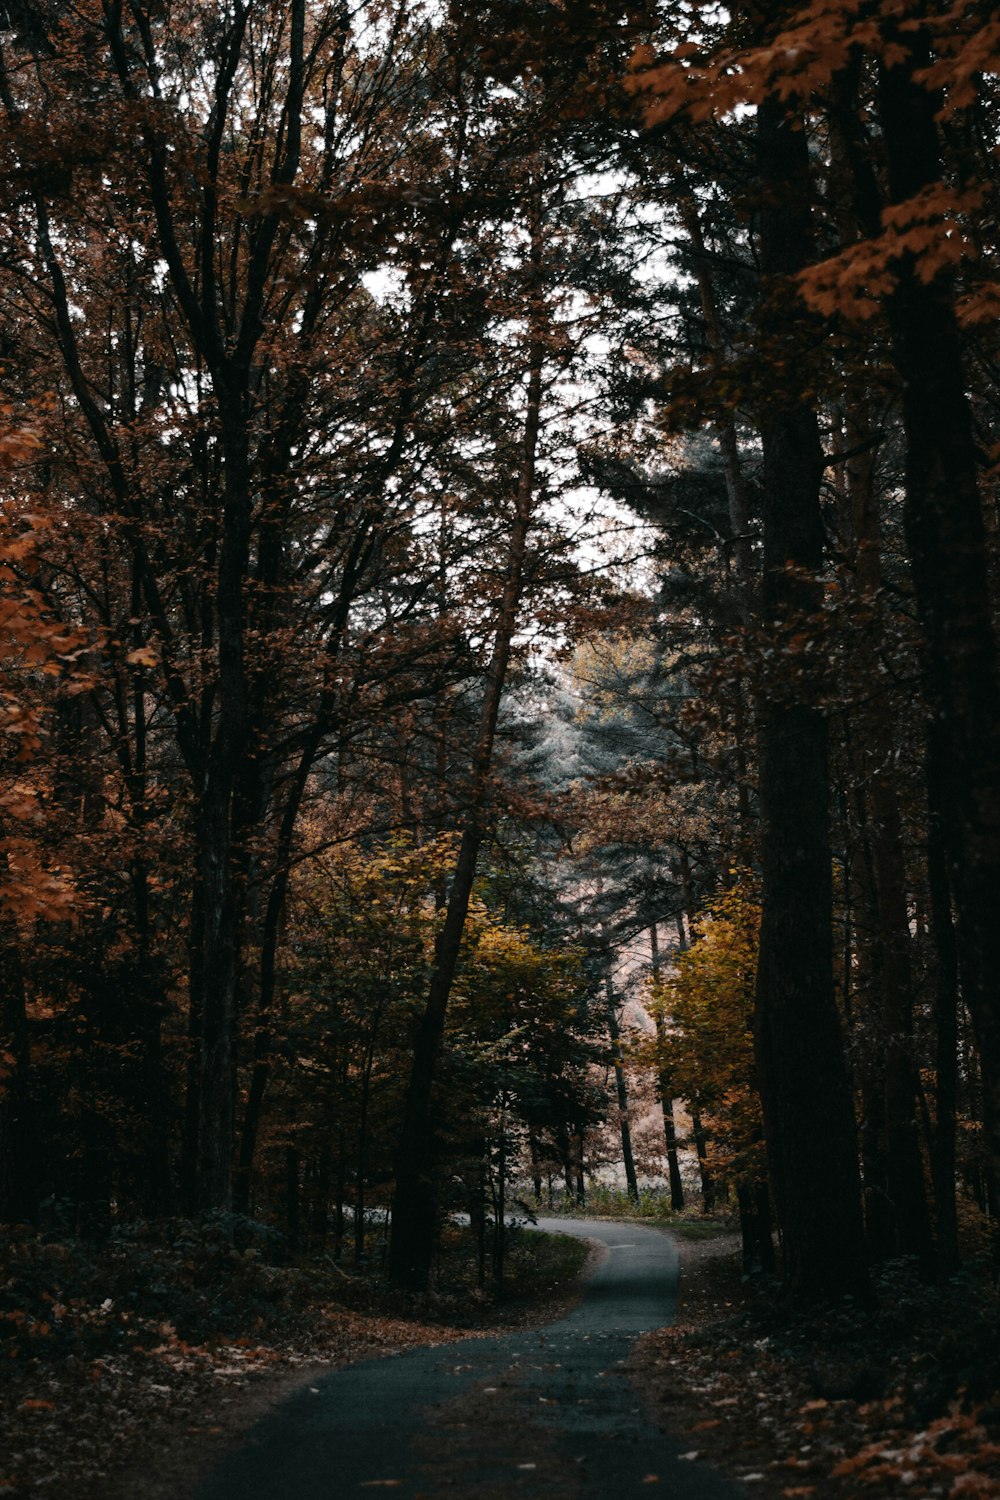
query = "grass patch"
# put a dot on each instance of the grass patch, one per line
(536, 1265)
(653, 1206)
(540, 1264)
(702, 1228)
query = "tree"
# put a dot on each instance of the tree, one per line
(244, 501)
(705, 1044)
(800, 1047)
(34, 648)
(413, 1212)
(946, 535)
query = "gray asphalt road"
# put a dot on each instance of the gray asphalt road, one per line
(547, 1411)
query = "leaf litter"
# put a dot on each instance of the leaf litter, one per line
(163, 1345)
(838, 1405)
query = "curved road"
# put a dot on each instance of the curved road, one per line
(544, 1412)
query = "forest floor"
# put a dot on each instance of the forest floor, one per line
(151, 1359)
(129, 1369)
(847, 1405)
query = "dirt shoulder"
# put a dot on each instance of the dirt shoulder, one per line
(832, 1406)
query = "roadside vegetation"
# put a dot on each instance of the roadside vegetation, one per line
(836, 1403)
(651, 1206)
(159, 1335)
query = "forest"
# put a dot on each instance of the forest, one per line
(499, 688)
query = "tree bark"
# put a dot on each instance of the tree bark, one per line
(799, 1047)
(579, 1167)
(665, 1087)
(739, 560)
(18, 1145)
(222, 915)
(413, 1205)
(946, 1031)
(708, 1193)
(621, 1091)
(947, 545)
(757, 1247)
(908, 1219)
(706, 1179)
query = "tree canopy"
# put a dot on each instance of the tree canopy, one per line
(471, 482)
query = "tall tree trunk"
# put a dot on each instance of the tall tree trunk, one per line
(500, 1201)
(222, 937)
(909, 1224)
(578, 1166)
(19, 1165)
(413, 1205)
(665, 1086)
(870, 1063)
(739, 560)
(799, 1047)
(698, 1134)
(947, 545)
(320, 1218)
(946, 1030)
(192, 1078)
(621, 1091)
(565, 1158)
(708, 1193)
(536, 1166)
(267, 967)
(757, 1247)
(901, 1208)
(340, 1195)
(293, 1198)
(158, 1188)
(361, 1154)
(220, 968)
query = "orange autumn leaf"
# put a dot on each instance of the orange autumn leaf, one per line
(860, 1460)
(974, 1484)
